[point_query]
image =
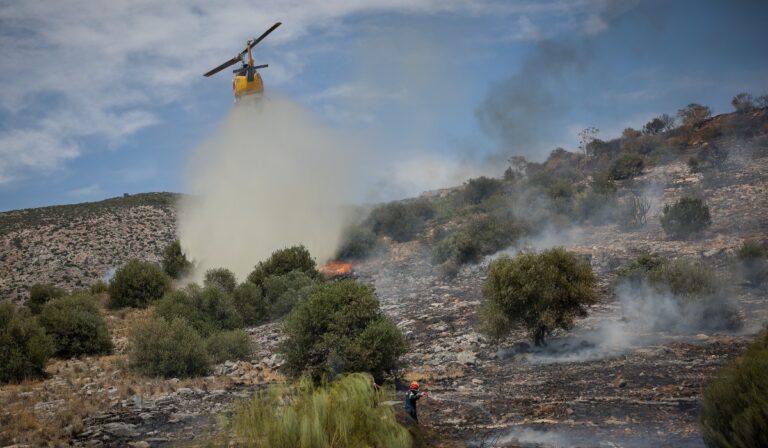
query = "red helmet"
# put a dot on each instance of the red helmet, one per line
(414, 386)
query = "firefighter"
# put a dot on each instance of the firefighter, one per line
(411, 398)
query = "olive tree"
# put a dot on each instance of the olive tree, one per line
(540, 291)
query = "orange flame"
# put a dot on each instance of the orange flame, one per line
(336, 268)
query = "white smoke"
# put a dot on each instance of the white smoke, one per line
(270, 177)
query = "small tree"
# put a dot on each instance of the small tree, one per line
(735, 408)
(282, 262)
(76, 326)
(221, 277)
(283, 292)
(339, 328)
(175, 262)
(136, 284)
(658, 125)
(685, 217)
(157, 347)
(542, 292)
(24, 346)
(694, 114)
(743, 102)
(40, 294)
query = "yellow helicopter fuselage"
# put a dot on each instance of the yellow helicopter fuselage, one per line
(242, 87)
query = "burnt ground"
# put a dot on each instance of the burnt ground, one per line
(592, 386)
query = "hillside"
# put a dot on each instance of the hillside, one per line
(72, 246)
(614, 379)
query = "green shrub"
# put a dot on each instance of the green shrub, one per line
(627, 166)
(137, 284)
(482, 236)
(639, 269)
(357, 242)
(602, 183)
(207, 309)
(249, 300)
(283, 292)
(479, 189)
(24, 346)
(282, 262)
(339, 328)
(734, 412)
(543, 292)
(401, 221)
(76, 326)
(40, 294)
(753, 257)
(99, 287)
(345, 414)
(157, 347)
(221, 277)
(685, 217)
(175, 263)
(232, 345)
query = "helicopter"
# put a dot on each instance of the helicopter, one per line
(246, 80)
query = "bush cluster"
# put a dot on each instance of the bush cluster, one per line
(401, 221)
(479, 189)
(345, 413)
(283, 261)
(357, 242)
(735, 407)
(627, 166)
(221, 277)
(685, 217)
(40, 294)
(633, 211)
(208, 309)
(24, 345)
(481, 236)
(229, 345)
(137, 284)
(695, 286)
(541, 291)
(76, 326)
(339, 328)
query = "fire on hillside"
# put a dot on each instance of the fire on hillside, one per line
(336, 269)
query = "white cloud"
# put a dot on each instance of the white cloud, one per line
(86, 192)
(77, 68)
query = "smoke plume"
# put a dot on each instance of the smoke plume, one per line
(523, 110)
(269, 178)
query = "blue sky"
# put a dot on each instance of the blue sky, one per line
(103, 98)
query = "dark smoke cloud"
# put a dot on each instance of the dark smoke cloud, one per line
(523, 109)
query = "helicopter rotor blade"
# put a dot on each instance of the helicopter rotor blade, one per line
(230, 62)
(261, 66)
(260, 38)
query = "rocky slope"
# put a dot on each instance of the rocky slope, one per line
(72, 246)
(605, 383)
